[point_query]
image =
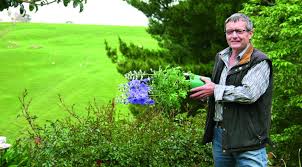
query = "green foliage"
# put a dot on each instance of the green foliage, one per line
(111, 53)
(189, 33)
(278, 32)
(135, 57)
(35, 4)
(101, 139)
(170, 88)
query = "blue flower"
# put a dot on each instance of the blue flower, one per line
(138, 92)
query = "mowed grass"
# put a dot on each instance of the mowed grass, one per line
(52, 59)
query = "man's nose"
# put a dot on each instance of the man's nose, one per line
(234, 34)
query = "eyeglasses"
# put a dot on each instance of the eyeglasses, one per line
(237, 31)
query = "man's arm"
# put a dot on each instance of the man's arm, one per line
(254, 84)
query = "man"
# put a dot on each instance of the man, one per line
(240, 98)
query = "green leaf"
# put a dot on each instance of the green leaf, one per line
(81, 7)
(31, 7)
(66, 2)
(75, 4)
(22, 10)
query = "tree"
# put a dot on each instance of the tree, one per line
(278, 33)
(35, 4)
(189, 32)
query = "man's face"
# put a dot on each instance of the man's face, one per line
(237, 35)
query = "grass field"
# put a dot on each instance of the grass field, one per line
(52, 59)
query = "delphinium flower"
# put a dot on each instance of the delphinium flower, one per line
(138, 92)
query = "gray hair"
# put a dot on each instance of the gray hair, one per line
(239, 16)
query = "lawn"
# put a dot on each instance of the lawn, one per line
(52, 59)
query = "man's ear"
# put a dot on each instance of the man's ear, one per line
(251, 33)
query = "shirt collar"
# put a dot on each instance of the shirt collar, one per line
(243, 52)
(227, 52)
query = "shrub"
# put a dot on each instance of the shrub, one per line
(100, 139)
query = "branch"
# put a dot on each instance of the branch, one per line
(40, 4)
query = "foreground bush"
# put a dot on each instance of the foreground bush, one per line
(100, 139)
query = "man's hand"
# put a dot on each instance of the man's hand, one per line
(202, 92)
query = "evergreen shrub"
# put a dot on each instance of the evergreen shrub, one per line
(99, 138)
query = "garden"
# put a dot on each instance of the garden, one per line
(134, 107)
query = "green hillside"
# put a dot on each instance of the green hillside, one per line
(52, 59)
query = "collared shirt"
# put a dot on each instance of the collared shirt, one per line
(254, 84)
